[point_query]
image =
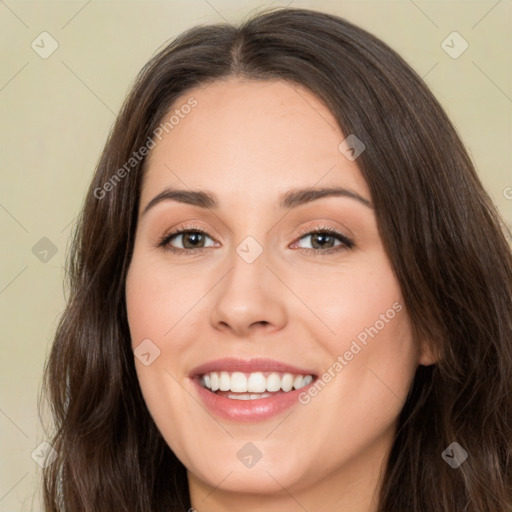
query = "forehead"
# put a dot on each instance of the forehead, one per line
(256, 138)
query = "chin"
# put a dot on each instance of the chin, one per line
(260, 479)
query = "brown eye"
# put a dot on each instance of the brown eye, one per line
(189, 239)
(323, 240)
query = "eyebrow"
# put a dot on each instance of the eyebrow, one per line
(288, 200)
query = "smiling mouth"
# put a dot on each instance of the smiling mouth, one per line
(253, 386)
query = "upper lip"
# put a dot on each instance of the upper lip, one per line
(229, 364)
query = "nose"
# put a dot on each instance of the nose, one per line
(249, 298)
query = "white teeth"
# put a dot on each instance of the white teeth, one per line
(247, 396)
(224, 381)
(287, 382)
(273, 382)
(239, 383)
(214, 378)
(251, 386)
(257, 383)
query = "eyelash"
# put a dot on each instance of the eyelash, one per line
(346, 243)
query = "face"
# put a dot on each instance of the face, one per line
(287, 301)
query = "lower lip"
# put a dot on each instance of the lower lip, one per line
(247, 410)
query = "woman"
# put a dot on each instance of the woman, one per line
(209, 360)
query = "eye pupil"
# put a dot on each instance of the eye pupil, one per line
(195, 236)
(321, 239)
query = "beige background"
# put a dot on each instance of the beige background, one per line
(56, 112)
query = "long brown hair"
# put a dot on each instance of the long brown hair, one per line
(444, 238)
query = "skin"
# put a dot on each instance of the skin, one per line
(248, 142)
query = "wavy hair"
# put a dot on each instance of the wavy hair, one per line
(446, 242)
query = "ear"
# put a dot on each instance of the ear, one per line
(428, 353)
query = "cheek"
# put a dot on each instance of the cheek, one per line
(158, 308)
(160, 300)
(372, 354)
(358, 301)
